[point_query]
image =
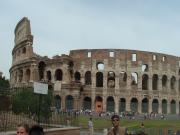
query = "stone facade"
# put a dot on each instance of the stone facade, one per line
(101, 80)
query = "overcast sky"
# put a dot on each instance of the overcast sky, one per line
(59, 26)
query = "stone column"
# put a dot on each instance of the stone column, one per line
(116, 101)
(140, 105)
(160, 106)
(168, 107)
(93, 101)
(160, 83)
(128, 104)
(150, 106)
(104, 103)
(63, 103)
(177, 106)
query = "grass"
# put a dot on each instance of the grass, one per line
(100, 123)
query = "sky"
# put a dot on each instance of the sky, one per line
(59, 26)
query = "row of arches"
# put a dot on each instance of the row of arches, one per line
(164, 105)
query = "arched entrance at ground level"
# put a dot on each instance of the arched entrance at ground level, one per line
(58, 103)
(134, 105)
(155, 105)
(145, 106)
(98, 104)
(173, 107)
(69, 102)
(164, 106)
(87, 103)
(110, 104)
(122, 105)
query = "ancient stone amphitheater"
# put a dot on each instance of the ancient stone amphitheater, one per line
(100, 80)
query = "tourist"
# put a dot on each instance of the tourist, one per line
(22, 129)
(36, 130)
(90, 126)
(116, 129)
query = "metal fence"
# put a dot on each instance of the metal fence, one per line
(11, 113)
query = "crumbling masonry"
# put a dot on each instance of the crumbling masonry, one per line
(101, 80)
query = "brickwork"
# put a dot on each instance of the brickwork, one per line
(101, 80)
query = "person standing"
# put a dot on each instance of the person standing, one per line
(22, 129)
(116, 129)
(91, 126)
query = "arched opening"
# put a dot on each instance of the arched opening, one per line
(145, 68)
(58, 75)
(41, 69)
(122, 105)
(87, 103)
(88, 78)
(20, 76)
(110, 104)
(155, 105)
(155, 82)
(111, 79)
(58, 103)
(173, 107)
(69, 102)
(145, 105)
(134, 105)
(28, 73)
(77, 76)
(98, 104)
(145, 82)
(99, 79)
(164, 106)
(49, 75)
(164, 82)
(173, 81)
(134, 78)
(24, 50)
(122, 79)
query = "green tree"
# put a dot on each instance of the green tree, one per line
(4, 84)
(25, 101)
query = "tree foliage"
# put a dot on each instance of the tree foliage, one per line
(4, 84)
(27, 102)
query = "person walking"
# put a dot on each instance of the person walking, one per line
(116, 129)
(91, 126)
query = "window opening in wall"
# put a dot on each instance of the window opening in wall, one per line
(134, 78)
(58, 75)
(99, 79)
(100, 66)
(111, 54)
(173, 81)
(145, 82)
(144, 68)
(155, 82)
(110, 104)
(134, 57)
(77, 76)
(122, 78)
(24, 50)
(28, 73)
(88, 78)
(49, 75)
(163, 58)
(89, 54)
(41, 69)
(111, 79)
(154, 57)
(164, 81)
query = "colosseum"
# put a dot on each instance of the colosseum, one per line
(101, 80)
